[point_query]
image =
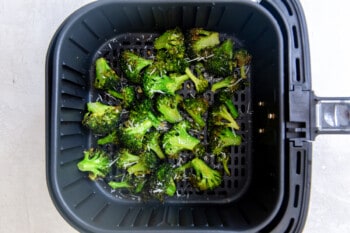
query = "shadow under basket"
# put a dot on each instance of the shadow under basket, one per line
(267, 189)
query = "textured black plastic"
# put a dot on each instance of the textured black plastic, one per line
(89, 206)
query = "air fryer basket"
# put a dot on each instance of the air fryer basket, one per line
(269, 187)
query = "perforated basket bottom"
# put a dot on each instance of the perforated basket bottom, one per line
(232, 186)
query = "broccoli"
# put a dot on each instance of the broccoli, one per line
(201, 40)
(221, 63)
(196, 108)
(205, 178)
(178, 139)
(242, 59)
(111, 138)
(221, 116)
(230, 83)
(126, 94)
(163, 181)
(132, 65)
(141, 120)
(152, 144)
(172, 64)
(156, 81)
(134, 184)
(225, 98)
(222, 137)
(106, 78)
(172, 41)
(167, 106)
(96, 162)
(101, 118)
(125, 158)
(200, 82)
(224, 159)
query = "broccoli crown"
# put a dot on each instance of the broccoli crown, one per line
(125, 158)
(168, 107)
(230, 83)
(196, 108)
(205, 177)
(242, 59)
(154, 83)
(134, 184)
(163, 181)
(178, 139)
(132, 65)
(221, 137)
(172, 41)
(221, 116)
(101, 118)
(153, 144)
(221, 63)
(127, 95)
(171, 63)
(200, 82)
(147, 162)
(225, 97)
(106, 78)
(96, 162)
(200, 39)
(111, 138)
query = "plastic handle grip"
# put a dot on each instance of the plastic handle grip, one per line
(333, 115)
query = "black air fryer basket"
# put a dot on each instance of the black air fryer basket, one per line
(269, 186)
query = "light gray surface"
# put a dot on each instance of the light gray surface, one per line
(26, 28)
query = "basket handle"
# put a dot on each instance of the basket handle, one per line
(332, 115)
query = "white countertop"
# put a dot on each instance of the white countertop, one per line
(26, 28)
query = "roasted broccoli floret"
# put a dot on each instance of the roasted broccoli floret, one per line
(163, 181)
(134, 184)
(168, 106)
(126, 94)
(201, 40)
(101, 118)
(156, 81)
(242, 59)
(204, 177)
(222, 137)
(152, 143)
(111, 138)
(172, 64)
(196, 108)
(230, 83)
(221, 63)
(177, 139)
(96, 162)
(220, 116)
(132, 65)
(106, 78)
(172, 41)
(140, 121)
(225, 97)
(224, 159)
(200, 82)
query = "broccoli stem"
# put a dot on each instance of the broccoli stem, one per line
(118, 185)
(115, 94)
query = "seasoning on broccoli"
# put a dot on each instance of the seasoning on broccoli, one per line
(224, 160)
(242, 59)
(111, 138)
(225, 98)
(126, 94)
(196, 108)
(200, 82)
(135, 184)
(168, 106)
(221, 138)
(220, 116)
(138, 165)
(132, 65)
(96, 162)
(152, 143)
(101, 118)
(200, 41)
(177, 139)
(230, 83)
(106, 78)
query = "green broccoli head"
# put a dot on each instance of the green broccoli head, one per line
(230, 84)
(145, 165)
(242, 59)
(106, 78)
(163, 182)
(220, 116)
(177, 139)
(205, 178)
(155, 81)
(101, 118)
(172, 41)
(135, 184)
(172, 64)
(168, 107)
(132, 65)
(196, 108)
(96, 162)
(200, 41)
(152, 143)
(127, 95)
(125, 158)
(225, 98)
(221, 138)
(221, 63)
(111, 138)
(200, 82)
